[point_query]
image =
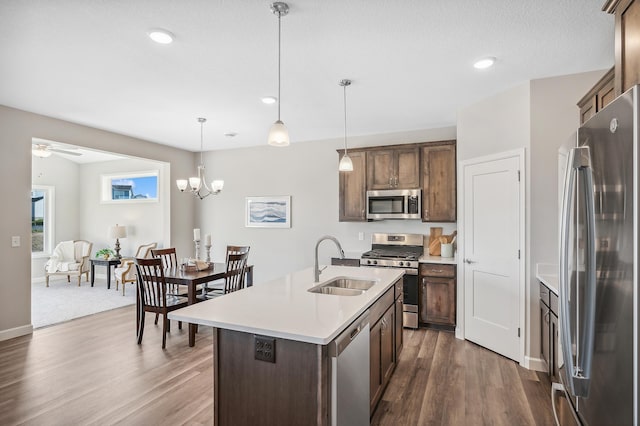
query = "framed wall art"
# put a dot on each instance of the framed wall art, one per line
(268, 212)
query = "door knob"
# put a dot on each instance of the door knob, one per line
(469, 261)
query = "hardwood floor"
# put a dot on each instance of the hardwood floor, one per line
(91, 371)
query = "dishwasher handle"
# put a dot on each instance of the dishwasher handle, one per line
(340, 343)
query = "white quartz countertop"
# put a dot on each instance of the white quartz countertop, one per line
(284, 308)
(425, 258)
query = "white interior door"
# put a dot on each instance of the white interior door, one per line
(492, 240)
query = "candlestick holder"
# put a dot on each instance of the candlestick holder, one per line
(208, 250)
(197, 244)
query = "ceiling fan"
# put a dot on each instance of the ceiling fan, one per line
(44, 150)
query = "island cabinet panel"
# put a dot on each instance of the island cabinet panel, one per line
(398, 318)
(353, 188)
(254, 392)
(439, 182)
(383, 343)
(393, 168)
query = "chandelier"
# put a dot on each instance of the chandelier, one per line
(198, 185)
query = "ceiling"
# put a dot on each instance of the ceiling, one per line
(91, 62)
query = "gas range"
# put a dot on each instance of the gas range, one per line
(399, 251)
(394, 250)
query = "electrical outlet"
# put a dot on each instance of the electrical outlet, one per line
(361, 236)
(15, 241)
(265, 348)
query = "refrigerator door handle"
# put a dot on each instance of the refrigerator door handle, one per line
(578, 372)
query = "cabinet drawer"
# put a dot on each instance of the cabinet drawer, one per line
(437, 270)
(553, 302)
(380, 306)
(544, 294)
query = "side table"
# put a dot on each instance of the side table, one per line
(103, 262)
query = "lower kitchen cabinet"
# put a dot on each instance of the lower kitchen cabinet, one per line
(385, 341)
(549, 333)
(438, 294)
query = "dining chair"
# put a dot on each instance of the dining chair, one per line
(169, 260)
(153, 297)
(234, 276)
(219, 284)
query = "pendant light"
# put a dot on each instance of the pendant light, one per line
(198, 185)
(279, 135)
(346, 165)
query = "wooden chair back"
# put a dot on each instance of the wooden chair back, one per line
(152, 288)
(237, 249)
(236, 268)
(168, 256)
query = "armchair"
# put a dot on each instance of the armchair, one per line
(70, 258)
(126, 272)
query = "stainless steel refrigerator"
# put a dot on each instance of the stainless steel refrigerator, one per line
(598, 273)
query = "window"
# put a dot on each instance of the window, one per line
(42, 224)
(130, 187)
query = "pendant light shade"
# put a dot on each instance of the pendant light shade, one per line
(279, 135)
(346, 165)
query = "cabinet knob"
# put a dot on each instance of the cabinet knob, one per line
(426, 214)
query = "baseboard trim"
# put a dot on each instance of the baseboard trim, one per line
(16, 332)
(537, 364)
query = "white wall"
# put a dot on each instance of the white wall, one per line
(18, 129)
(309, 173)
(537, 116)
(145, 221)
(63, 175)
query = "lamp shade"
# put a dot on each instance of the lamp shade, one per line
(117, 231)
(278, 135)
(217, 185)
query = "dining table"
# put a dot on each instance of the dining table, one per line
(192, 278)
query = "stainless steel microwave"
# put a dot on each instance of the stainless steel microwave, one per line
(394, 204)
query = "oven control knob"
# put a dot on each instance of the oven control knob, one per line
(375, 262)
(401, 263)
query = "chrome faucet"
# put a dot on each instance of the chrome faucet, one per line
(316, 269)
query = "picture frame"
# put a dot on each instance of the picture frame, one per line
(268, 212)
(130, 187)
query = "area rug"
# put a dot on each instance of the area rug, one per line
(63, 301)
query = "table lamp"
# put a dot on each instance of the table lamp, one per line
(118, 232)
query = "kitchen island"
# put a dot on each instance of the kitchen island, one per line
(271, 355)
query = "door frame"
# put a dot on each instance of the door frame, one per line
(460, 324)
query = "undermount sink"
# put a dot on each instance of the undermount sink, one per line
(343, 286)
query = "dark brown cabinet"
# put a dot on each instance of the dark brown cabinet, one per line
(352, 191)
(437, 294)
(385, 341)
(549, 330)
(598, 97)
(438, 170)
(627, 48)
(393, 168)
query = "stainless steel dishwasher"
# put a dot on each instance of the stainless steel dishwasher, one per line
(350, 374)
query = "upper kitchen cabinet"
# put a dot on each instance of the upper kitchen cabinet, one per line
(352, 191)
(439, 182)
(393, 168)
(627, 49)
(598, 97)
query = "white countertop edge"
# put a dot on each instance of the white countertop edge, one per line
(425, 258)
(391, 274)
(550, 281)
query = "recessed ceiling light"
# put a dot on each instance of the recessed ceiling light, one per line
(269, 100)
(484, 63)
(160, 36)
